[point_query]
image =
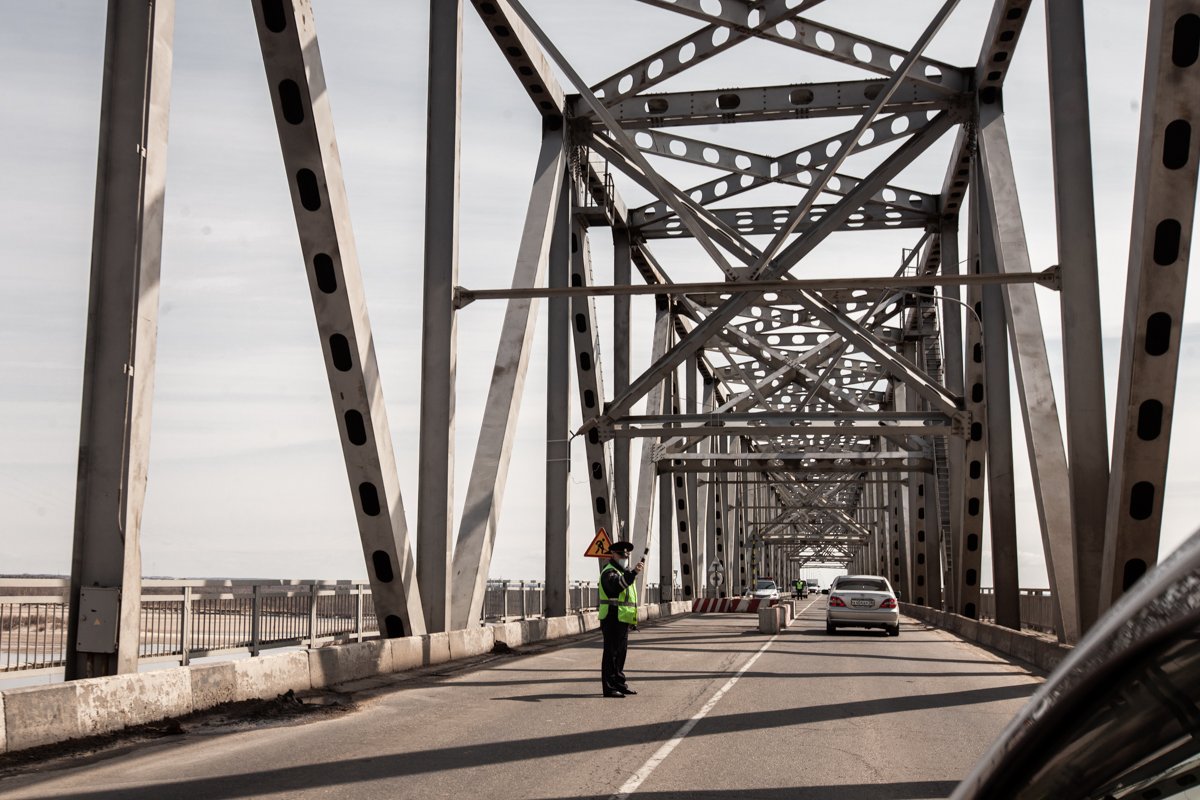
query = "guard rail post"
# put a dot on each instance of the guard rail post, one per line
(312, 616)
(524, 611)
(255, 619)
(185, 627)
(358, 612)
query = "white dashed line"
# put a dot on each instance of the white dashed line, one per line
(660, 755)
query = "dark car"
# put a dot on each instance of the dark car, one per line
(1120, 716)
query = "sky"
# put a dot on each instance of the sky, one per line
(246, 475)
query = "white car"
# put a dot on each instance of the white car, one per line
(862, 601)
(764, 590)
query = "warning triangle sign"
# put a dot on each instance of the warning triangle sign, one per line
(601, 546)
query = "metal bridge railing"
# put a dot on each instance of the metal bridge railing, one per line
(1037, 608)
(186, 619)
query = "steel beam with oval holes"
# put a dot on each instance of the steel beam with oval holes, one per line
(300, 98)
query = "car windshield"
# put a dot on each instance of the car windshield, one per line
(760, 585)
(861, 585)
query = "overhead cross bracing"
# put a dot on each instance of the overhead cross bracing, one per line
(801, 387)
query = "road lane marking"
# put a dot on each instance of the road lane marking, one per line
(660, 755)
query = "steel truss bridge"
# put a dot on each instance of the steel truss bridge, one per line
(862, 421)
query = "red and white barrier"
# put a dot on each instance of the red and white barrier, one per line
(729, 605)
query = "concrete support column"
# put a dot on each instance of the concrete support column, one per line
(122, 332)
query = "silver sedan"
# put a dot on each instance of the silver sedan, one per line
(862, 601)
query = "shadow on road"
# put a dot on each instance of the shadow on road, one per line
(397, 765)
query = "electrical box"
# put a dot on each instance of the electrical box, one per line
(99, 611)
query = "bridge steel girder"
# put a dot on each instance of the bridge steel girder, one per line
(122, 335)
(1159, 253)
(622, 275)
(439, 320)
(585, 336)
(643, 511)
(558, 414)
(300, 99)
(1083, 358)
(1001, 500)
(1035, 389)
(765, 103)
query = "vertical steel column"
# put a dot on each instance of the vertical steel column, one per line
(968, 544)
(666, 541)
(932, 552)
(439, 345)
(691, 371)
(918, 488)
(303, 118)
(953, 371)
(1002, 509)
(558, 412)
(658, 401)
(588, 373)
(622, 276)
(1035, 385)
(903, 529)
(683, 514)
(706, 542)
(122, 333)
(718, 525)
(1083, 359)
(1159, 251)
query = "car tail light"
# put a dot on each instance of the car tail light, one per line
(889, 603)
(836, 602)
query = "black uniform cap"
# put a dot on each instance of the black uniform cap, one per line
(621, 547)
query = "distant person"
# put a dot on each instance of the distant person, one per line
(618, 612)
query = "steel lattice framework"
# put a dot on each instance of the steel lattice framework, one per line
(861, 422)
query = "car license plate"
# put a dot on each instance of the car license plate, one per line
(862, 603)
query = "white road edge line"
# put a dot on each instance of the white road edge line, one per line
(660, 755)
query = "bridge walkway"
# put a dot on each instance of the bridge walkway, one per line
(856, 715)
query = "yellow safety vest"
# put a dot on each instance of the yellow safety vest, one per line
(626, 601)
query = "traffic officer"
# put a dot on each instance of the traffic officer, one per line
(618, 612)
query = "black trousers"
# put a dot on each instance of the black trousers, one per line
(616, 644)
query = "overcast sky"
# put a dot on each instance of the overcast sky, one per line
(246, 474)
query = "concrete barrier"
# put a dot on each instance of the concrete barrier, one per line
(41, 715)
(105, 704)
(435, 649)
(773, 619)
(407, 653)
(471, 642)
(1043, 653)
(510, 634)
(328, 666)
(212, 684)
(270, 676)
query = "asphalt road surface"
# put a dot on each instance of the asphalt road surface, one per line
(723, 712)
